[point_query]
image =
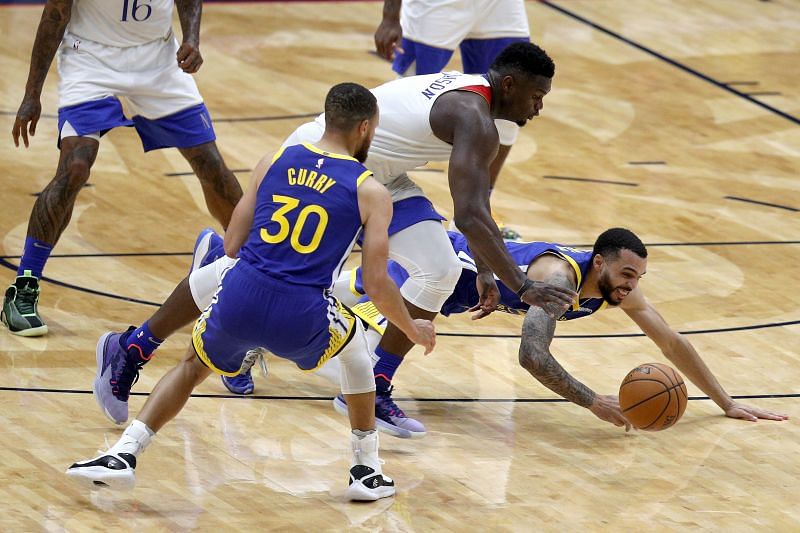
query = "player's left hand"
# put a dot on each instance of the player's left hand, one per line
(752, 414)
(189, 58)
(489, 296)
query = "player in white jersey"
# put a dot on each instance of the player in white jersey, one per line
(420, 36)
(110, 50)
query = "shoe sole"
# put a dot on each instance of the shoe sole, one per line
(102, 479)
(200, 248)
(98, 353)
(358, 492)
(30, 332)
(382, 426)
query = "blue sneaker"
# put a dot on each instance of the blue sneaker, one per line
(117, 371)
(389, 418)
(208, 247)
(241, 384)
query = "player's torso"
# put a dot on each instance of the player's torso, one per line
(306, 218)
(404, 139)
(524, 253)
(121, 23)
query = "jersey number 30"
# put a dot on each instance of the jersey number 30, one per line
(285, 229)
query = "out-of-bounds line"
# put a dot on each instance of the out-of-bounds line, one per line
(759, 202)
(672, 62)
(176, 174)
(626, 335)
(6, 264)
(329, 398)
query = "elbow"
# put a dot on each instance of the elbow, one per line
(527, 360)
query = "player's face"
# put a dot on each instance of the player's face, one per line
(527, 97)
(366, 141)
(619, 275)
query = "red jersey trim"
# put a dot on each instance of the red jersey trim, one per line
(482, 90)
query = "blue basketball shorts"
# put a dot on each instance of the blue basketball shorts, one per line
(250, 309)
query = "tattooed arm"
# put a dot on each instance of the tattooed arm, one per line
(534, 355)
(189, 13)
(55, 16)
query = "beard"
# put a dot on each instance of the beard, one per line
(362, 153)
(607, 290)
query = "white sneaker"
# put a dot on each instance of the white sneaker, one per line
(367, 482)
(110, 470)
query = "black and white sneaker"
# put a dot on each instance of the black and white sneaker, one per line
(367, 484)
(110, 470)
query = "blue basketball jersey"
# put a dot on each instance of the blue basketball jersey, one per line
(465, 294)
(306, 218)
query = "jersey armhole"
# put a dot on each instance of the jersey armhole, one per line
(364, 175)
(278, 154)
(576, 268)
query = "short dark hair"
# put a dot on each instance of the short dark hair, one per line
(347, 104)
(524, 58)
(611, 241)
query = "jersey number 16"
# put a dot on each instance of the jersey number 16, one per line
(136, 10)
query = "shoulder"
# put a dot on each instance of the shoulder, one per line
(553, 269)
(460, 111)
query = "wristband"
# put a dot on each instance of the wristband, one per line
(527, 284)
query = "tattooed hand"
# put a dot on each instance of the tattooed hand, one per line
(27, 117)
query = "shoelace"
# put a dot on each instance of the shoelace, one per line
(127, 378)
(387, 402)
(26, 300)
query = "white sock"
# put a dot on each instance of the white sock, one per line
(135, 439)
(365, 449)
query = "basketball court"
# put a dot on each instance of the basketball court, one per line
(678, 120)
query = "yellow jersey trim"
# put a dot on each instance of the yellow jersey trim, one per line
(278, 154)
(353, 277)
(367, 312)
(576, 304)
(337, 340)
(197, 342)
(362, 177)
(329, 154)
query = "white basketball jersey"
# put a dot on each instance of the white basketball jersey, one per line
(404, 139)
(121, 23)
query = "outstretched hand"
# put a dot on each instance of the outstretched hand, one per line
(552, 299)
(752, 414)
(606, 407)
(423, 334)
(489, 296)
(27, 117)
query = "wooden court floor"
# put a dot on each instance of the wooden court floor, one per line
(677, 119)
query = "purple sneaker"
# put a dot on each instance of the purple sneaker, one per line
(241, 384)
(117, 371)
(389, 418)
(208, 247)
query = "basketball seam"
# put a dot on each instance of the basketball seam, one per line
(669, 401)
(653, 365)
(646, 399)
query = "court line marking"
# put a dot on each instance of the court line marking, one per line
(759, 202)
(592, 180)
(674, 63)
(409, 399)
(264, 118)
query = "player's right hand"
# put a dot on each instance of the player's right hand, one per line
(607, 408)
(554, 300)
(27, 117)
(388, 37)
(423, 334)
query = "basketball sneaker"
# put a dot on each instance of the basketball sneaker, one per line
(241, 384)
(367, 482)
(21, 307)
(117, 371)
(110, 470)
(389, 418)
(208, 247)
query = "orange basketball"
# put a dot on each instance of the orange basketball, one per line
(653, 397)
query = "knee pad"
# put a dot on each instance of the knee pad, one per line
(356, 365)
(430, 289)
(203, 282)
(507, 130)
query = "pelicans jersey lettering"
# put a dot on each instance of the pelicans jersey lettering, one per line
(305, 223)
(121, 23)
(404, 139)
(465, 295)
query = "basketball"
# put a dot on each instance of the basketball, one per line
(653, 397)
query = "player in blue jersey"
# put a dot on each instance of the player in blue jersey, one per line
(108, 51)
(292, 231)
(605, 277)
